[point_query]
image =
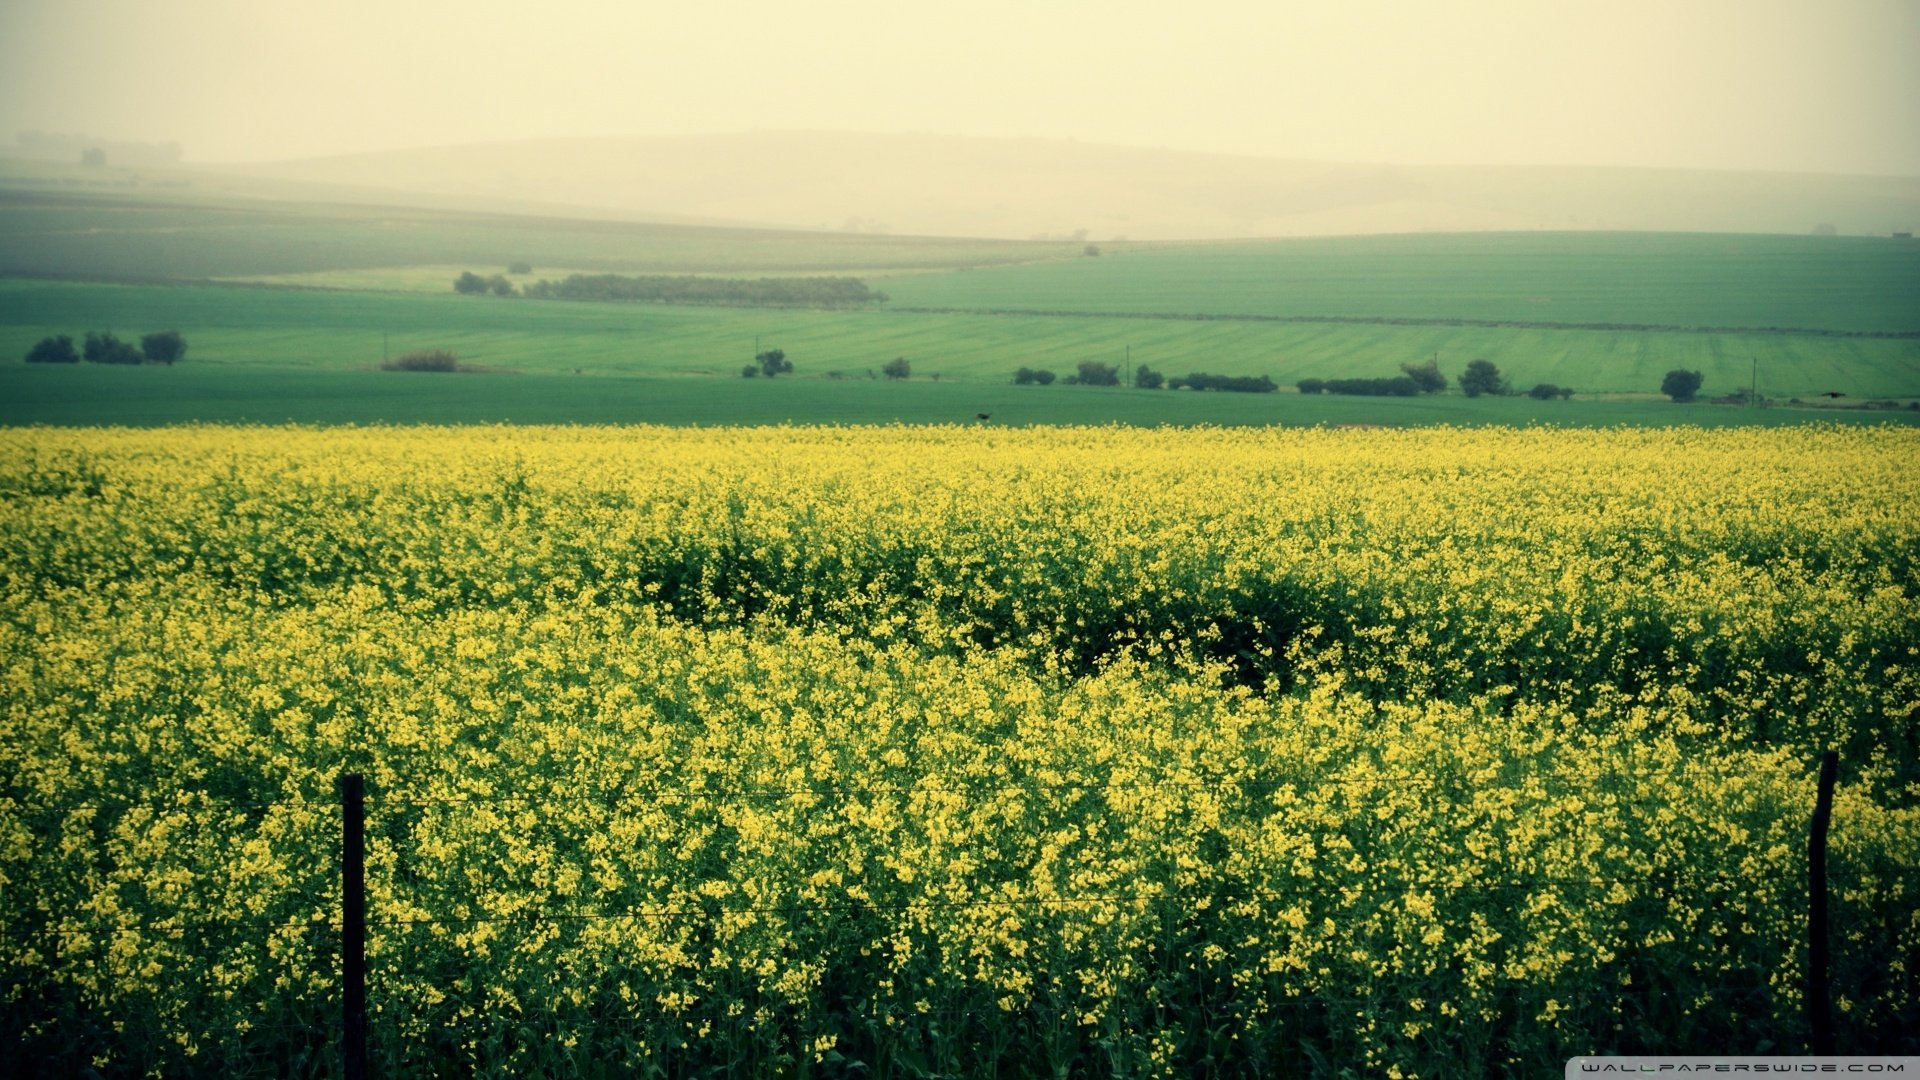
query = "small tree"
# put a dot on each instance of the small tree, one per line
(107, 349)
(1681, 385)
(1426, 376)
(1032, 377)
(1095, 373)
(1482, 377)
(165, 347)
(54, 350)
(1146, 378)
(470, 284)
(751, 371)
(519, 268)
(897, 368)
(1312, 386)
(423, 360)
(1545, 391)
(499, 285)
(773, 362)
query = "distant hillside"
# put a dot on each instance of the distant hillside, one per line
(1020, 188)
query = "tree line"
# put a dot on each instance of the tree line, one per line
(162, 347)
(825, 292)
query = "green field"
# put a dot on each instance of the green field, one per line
(89, 394)
(1629, 279)
(307, 287)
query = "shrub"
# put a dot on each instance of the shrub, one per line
(1148, 379)
(897, 368)
(1681, 385)
(54, 350)
(499, 285)
(773, 362)
(1312, 386)
(1482, 377)
(107, 349)
(1239, 384)
(519, 268)
(423, 360)
(1545, 391)
(1030, 376)
(1398, 386)
(470, 284)
(1427, 376)
(750, 371)
(1095, 373)
(165, 347)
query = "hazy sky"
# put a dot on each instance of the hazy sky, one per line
(1813, 85)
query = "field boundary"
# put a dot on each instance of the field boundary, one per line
(1394, 320)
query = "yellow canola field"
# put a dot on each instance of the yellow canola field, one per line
(952, 750)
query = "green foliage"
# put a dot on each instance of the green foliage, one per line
(1095, 373)
(1426, 376)
(469, 284)
(1398, 386)
(818, 292)
(773, 362)
(1483, 377)
(520, 268)
(1239, 384)
(164, 347)
(423, 360)
(53, 350)
(1027, 376)
(1312, 386)
(1681, 385)
(1146, 378)
(103, 348)
(897, 368)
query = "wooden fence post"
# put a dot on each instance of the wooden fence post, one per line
(1819, 989)
(353, 926)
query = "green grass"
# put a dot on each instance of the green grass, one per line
(1668, 279)
(87, 394)
(231, 326)
(385, 277)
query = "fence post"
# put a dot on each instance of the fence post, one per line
(1819, 989)
(353, 926)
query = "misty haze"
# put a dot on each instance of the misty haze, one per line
(1026, 539)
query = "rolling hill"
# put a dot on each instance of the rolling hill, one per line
(939, 185)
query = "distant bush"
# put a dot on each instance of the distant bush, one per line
(472, 284)
(1482, 377)
(1426, 376)
(519, 268)
(107, 349)
(54, 350)
(423, 360)
(773, 362)
(750, 371)
(1546, 391)
(898, 368)
(1681, 385)
(1239, 384)
(1032, 376)
(1146, 378)
(1312, 386)
(165, 347)
(829, 292)
(1095, 373)
(1398, 386)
